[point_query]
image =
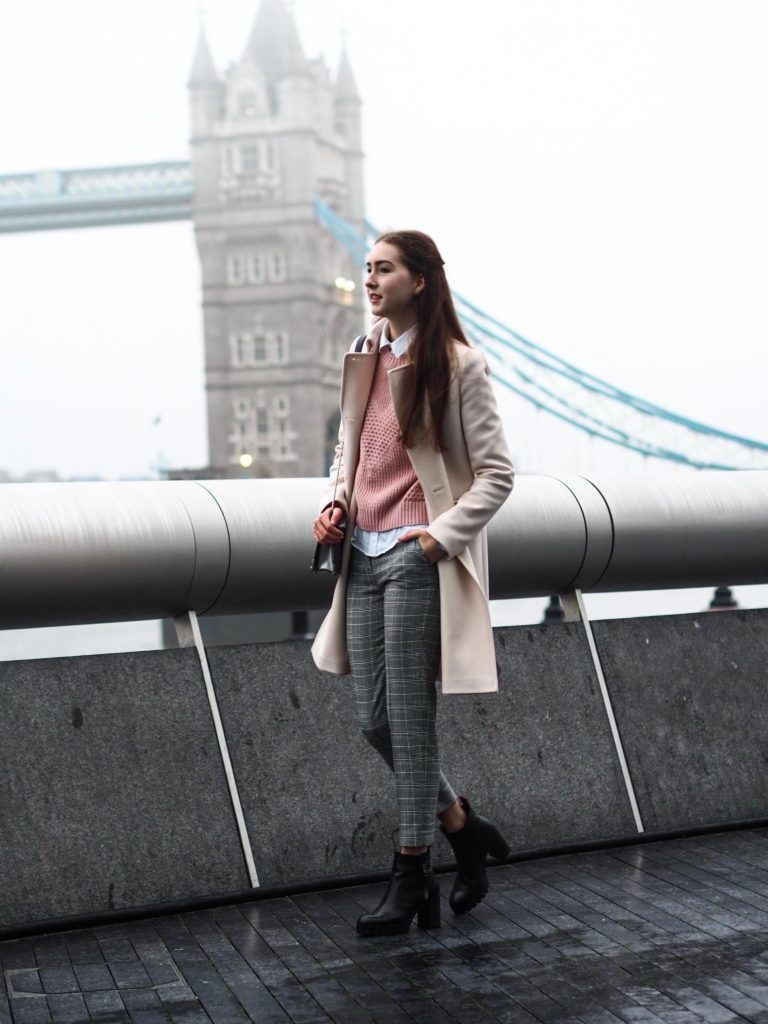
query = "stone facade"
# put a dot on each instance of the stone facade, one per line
(271, 134)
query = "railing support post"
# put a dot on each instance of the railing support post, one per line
(576, 610)
(188, 633)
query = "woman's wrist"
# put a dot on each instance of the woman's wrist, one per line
(433, 548)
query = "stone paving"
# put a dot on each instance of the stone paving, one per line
(668, 932)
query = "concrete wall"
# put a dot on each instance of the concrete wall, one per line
(113, 793)
(111, 786)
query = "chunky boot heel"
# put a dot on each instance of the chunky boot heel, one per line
(471, 846)
(429, 913)
(413, 889)
(498, 847)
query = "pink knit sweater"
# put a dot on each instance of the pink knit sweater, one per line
(388, 493)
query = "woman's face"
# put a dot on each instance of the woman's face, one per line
(392, 288)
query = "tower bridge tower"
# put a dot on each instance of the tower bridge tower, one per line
(271, 134)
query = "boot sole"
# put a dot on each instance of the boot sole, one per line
(469, 906)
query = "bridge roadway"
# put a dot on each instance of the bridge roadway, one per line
(96, 196)
(671, 931)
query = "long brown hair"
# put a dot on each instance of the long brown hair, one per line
(430, 351)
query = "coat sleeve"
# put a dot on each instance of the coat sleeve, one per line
(492, 469)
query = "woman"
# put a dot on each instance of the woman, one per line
(421, 467)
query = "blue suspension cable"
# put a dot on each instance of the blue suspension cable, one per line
(356, 244)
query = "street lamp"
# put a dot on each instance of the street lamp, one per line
(344, 289)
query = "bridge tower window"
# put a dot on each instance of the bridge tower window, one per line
(277, 266)
(250, 159)
(259, 348)
(279, 346)
(243, 349)
(235, 269)
(250, 267)
(256, 268)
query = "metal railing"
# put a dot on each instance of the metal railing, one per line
(106, 552)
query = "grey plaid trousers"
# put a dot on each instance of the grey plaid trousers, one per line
(393, 639)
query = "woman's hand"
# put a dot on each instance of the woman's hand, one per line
(326, 528)
(429, 545)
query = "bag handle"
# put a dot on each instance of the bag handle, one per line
(358, 347)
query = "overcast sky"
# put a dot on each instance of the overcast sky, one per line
(593, 170)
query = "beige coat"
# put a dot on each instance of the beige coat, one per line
(463, 487)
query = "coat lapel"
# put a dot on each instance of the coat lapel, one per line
(428, 464)
(357, 374)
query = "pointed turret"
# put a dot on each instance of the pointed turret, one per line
(346, 86)
(205, 98)
(203, 69)
(347, 104)
(274, 41)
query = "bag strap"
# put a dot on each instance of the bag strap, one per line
(359, 342)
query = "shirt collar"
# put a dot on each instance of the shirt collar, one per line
(400, 345)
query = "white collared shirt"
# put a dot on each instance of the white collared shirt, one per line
(378, 542)
(400, 345)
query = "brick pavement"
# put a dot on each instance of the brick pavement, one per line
(671, 932)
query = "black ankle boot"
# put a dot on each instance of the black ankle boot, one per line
(471, 845)
(413, 889)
